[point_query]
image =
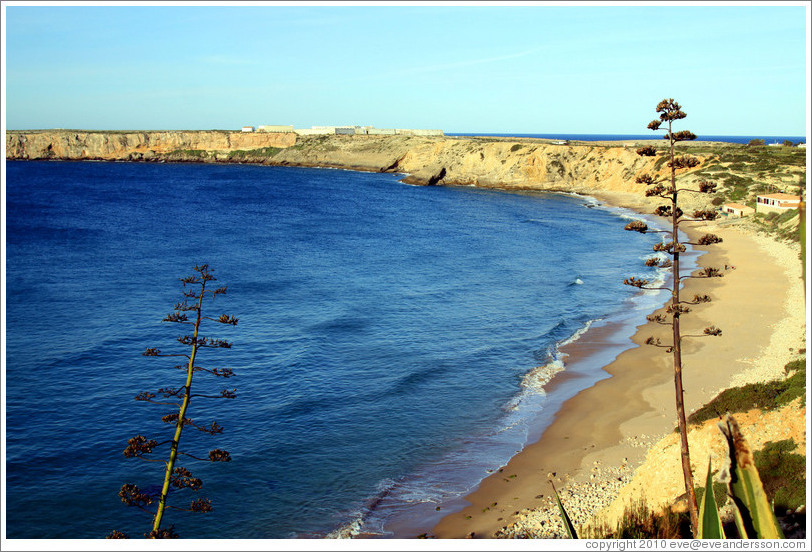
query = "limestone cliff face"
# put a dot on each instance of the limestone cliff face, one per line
(505, 163)
(498, 163)
(63, 144)
(519, 165)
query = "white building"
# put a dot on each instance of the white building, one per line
(315, 131)
(776, 203)
(367, 130)
(737, 209)
(248, 129)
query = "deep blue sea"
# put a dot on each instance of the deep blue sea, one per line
(651, 136)
(385, 336)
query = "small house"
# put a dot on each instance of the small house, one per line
(776, 203)
(248, 129)
(737, 210)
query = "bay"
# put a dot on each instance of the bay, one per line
(385, 331)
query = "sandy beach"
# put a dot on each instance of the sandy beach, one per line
(600, 436)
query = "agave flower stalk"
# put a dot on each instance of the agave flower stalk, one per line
(141, 447)
(671, 111)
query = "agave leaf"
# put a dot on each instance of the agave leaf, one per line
(570, 528)
(710, 525)
(737, 517)
(757, 517)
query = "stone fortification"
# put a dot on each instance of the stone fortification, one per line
(366, 130)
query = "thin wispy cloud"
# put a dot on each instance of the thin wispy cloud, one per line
(219, 59)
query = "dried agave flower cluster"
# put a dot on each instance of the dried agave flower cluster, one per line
(179, 477)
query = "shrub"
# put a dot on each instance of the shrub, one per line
(639, 522)
(783, 474)
(766, 396)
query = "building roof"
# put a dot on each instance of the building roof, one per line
(788, 197)
(738, 206)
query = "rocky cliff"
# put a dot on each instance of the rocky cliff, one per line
(134, 146)
(511, 163)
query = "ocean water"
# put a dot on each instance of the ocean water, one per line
(386, 336)
(651, 136)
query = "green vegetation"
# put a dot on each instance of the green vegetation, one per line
(516, 147)
(738, 187)
(779, 225)
(766, 396)
(753, 513)
(732, 158)
(568, 525)
(258, 154)
(710, 524)
(802, 238)
(746, 171)
(759, 483)
(783, 474)
(639, 522)
(719, 493)
(661, 160)
(202, 154)
(245, 156)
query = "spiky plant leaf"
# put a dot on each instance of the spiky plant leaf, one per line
(710, 524)
(568, 526)
(756, 518)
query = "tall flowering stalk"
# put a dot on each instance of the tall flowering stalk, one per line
(671, 111)
(195, 291)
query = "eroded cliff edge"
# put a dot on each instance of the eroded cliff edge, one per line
(507, 163)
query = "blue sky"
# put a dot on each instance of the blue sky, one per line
(580, 68)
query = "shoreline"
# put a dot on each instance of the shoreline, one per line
(600, 435)
(584, 354)
(584, 357)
